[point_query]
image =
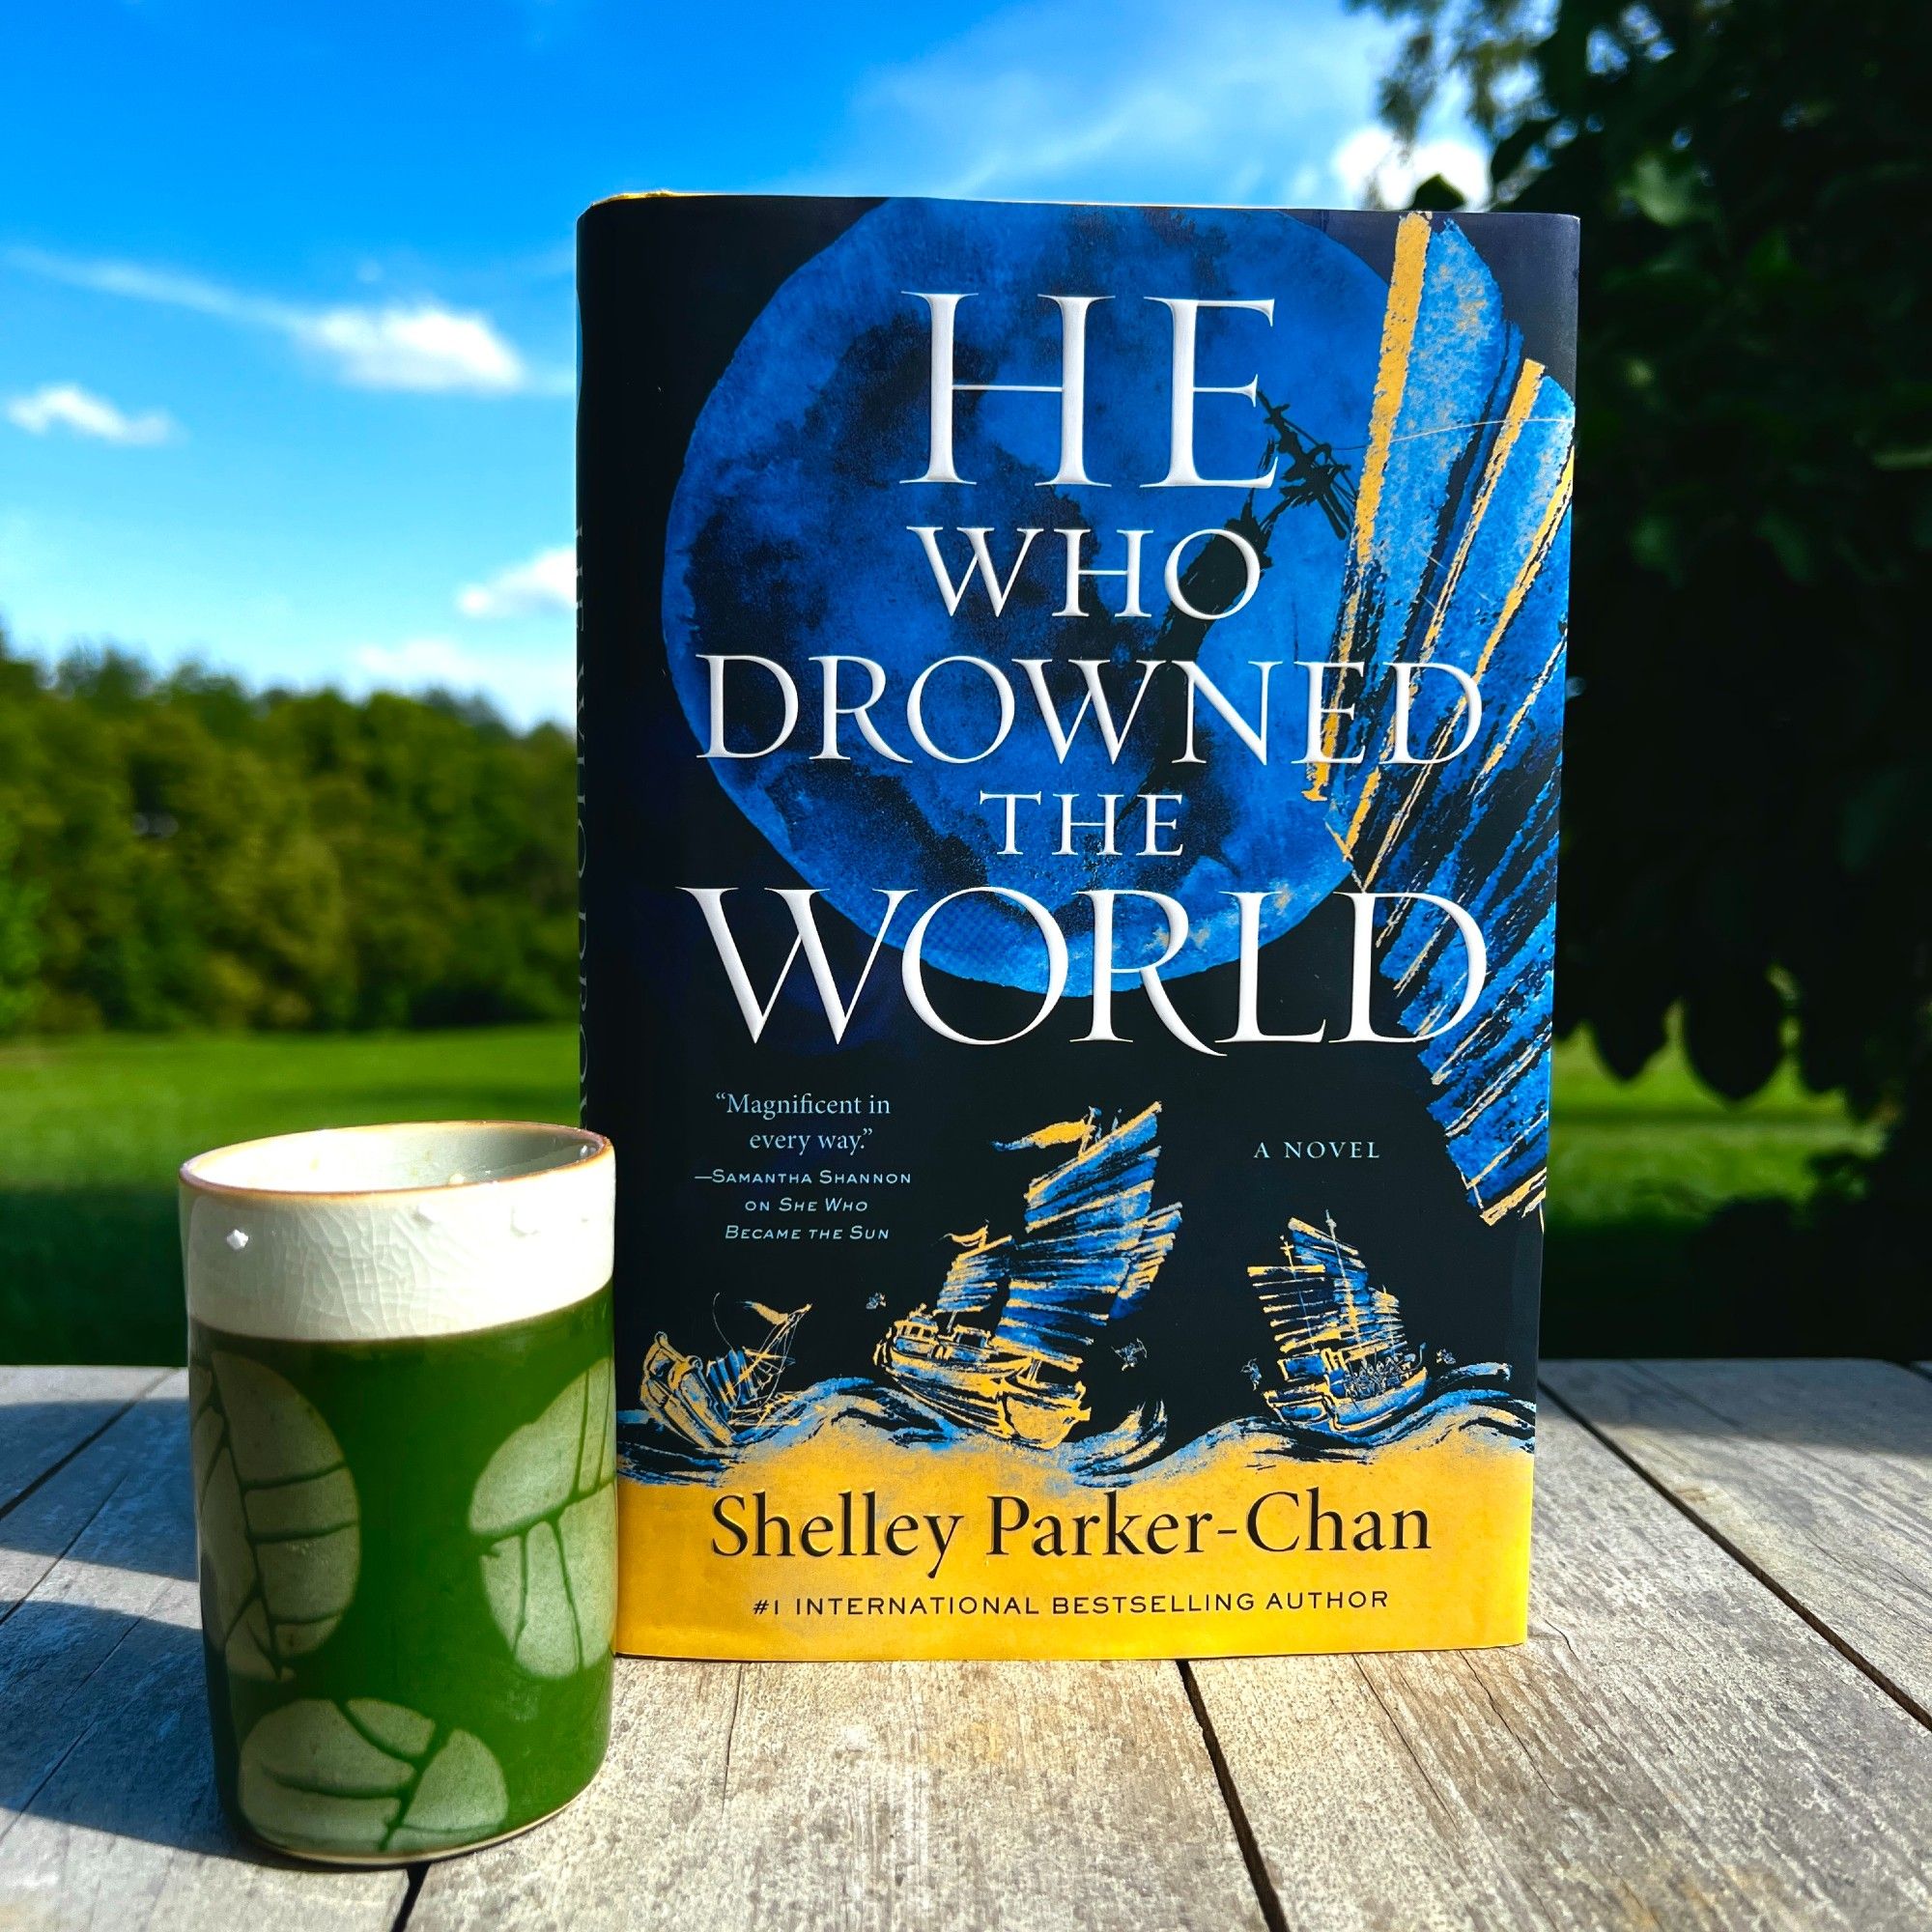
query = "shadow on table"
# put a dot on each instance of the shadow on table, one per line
(107, 1728)
(70, 1420)
(1863, 1408)
(144, 1522)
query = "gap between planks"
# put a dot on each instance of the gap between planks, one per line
(1265, 1895)
(30, 1455)
(1673, 1746)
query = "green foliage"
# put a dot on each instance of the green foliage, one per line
(177, 851)
(1747, 812)
(20, 902)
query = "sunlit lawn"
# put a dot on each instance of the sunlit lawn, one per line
(92, 1130)
(1634, 1171)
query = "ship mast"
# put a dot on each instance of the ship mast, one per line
(1349, 1300)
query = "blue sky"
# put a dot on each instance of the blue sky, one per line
(286, 324)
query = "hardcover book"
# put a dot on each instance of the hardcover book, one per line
(1070, 715)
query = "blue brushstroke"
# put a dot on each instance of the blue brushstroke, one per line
(1480, 830)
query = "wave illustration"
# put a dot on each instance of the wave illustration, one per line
(1472, 1399)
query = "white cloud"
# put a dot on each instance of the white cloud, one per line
(1161, 98)
(526, 687)
(1375, 170)
(547, 583)
(67, 406)
(421, 345)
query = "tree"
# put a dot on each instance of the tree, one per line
(1747, 818)
(180, 851)
(20, 898)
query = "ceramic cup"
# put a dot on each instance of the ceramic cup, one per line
(404, 1452)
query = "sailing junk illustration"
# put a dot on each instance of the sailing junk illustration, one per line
(714, 1404)
(1344, 1362)
(1001, 1347)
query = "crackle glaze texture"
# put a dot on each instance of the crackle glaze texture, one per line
(270, 1247)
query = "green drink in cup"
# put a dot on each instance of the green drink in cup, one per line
(403, 1452)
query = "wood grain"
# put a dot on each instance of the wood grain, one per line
(47, 1413)
(1817, 1473)
(1672, 1748)
(970, 1794)
(108, 1815)
(43, 1523)
(1675, 1746)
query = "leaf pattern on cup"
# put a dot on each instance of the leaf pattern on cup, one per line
(548, 1503)
(279, 1522)
(365, 1777)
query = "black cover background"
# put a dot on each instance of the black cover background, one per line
(668, 286)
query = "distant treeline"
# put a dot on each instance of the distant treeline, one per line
(178, 850)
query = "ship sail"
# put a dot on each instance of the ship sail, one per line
(1321, 1300)
(1149, 1252)
(747, 1379)
(1345, 1365)
(1089, 1244)
(977, 1276)
(1002, 1347)
(1058, 1134)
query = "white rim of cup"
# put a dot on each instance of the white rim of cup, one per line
(600, 1150)
(309, 1259)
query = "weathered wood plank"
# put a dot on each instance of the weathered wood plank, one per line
(1818, 1473)
(784, 1795)
(47, 1413)
(43, 1523)
(108, 1815)
(1674, 1747)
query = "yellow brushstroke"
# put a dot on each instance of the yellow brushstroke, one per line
(1527, 1194)
(1531, 568)
(1522, 399)
(1419, 966)
(1491, 1094)
(1488, 1167)
(1370, 786)
(1399, 323)
(1060, 1132)
(1510, 425)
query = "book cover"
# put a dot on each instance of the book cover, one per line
(1069, 716)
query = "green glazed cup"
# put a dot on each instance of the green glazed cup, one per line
(404, 1449)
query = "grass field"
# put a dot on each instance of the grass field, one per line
(92, 1130)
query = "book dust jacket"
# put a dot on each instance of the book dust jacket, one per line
(1069, 710)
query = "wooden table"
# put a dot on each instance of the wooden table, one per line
(1720, 1719)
